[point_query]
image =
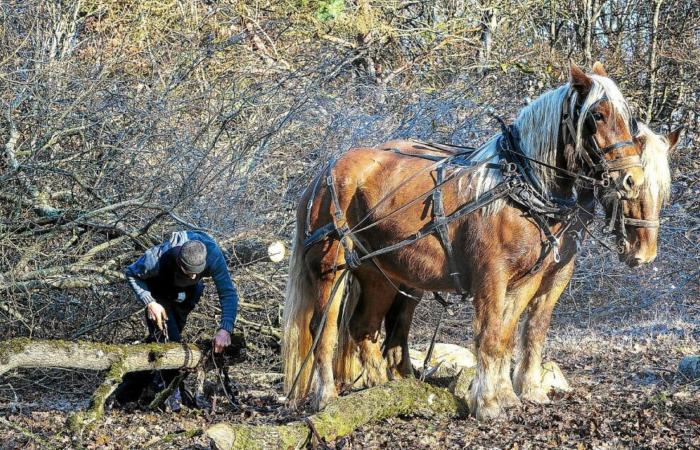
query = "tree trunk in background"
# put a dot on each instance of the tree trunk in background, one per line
(592, 13)
(552, 27)
(653, 64)
(488, 26)
(587, 32)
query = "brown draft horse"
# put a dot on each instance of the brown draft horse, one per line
(639, 246)
(494, 247)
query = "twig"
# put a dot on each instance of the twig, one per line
(266, 330)
(165, 393)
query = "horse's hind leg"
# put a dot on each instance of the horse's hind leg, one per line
(527, 378)
(366, 322)
(397, 324)
(331, 288)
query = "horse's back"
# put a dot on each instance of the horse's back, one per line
(375, 171)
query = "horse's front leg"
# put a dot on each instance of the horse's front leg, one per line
(496, 318)
(527, 378)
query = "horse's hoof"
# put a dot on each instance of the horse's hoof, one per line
(486, 413)
(538, 396)
(324, 399)
(508, 399)
(484, 410)
(376, 377)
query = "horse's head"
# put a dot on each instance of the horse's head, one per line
(602, 129)
(638, 225)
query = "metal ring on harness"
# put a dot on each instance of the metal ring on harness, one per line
(621, 245)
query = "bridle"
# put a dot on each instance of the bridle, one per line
(600, 168)
(597, 166)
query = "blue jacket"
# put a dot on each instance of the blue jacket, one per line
(148, 266)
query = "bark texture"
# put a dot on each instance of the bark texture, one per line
(342, 417)
(116, 359)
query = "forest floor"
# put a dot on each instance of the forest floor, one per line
(625, 395)
(618, 334)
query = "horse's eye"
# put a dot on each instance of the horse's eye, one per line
(597, 116)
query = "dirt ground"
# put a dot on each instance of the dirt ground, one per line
(624, 395)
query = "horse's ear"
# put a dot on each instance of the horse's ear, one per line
(673, 137)
(580, 81)
(598, 69)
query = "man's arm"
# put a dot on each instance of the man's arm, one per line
(228, 296)
(147, 266)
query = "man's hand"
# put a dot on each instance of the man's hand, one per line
(221, 341)
(157, 314)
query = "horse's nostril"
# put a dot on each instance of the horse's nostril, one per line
(628, 182)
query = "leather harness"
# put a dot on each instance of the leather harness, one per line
(519, 183)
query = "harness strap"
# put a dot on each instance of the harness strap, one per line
(621, 163)
(429, 354)
(443, 231)
(499, 191)
(616, 145)
(310, 203)
(332, 227)
(320, 234)
(552, 242)
(567, 119)
(422, 196)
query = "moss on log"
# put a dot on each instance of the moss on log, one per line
(22, 353)
(116, 359)
(342, 417)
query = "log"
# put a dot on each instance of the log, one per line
(342, 417)
(116, 359)
(21, 353)
(252, 249)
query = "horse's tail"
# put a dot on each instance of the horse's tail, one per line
(298, 310)
(346, 364)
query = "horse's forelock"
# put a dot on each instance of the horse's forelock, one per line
(601, 88)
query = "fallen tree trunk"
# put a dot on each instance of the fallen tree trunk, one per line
(342, 417)
(116, 359)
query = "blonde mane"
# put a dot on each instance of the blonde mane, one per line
(657, 174)
(538, 124)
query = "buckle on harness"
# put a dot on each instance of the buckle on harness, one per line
(555, 252)
(508, 167)
(352, 259)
